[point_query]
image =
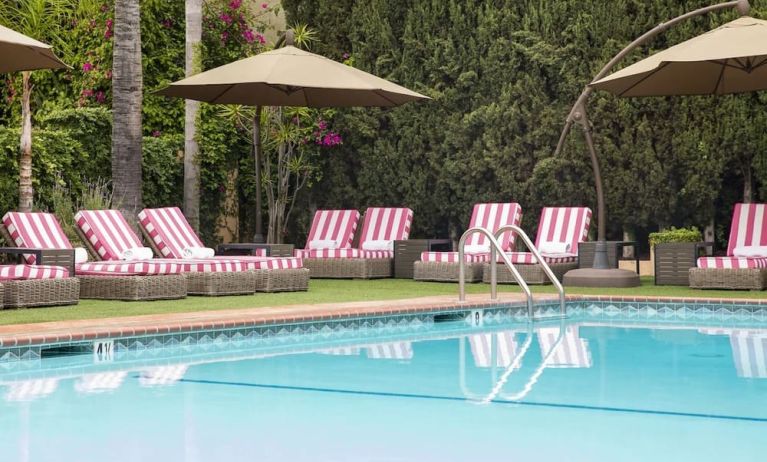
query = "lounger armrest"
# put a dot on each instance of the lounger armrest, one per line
(242, 249)
(52, 257)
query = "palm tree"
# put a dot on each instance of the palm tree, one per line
(191, 148)
(127, 87)
(42, 20)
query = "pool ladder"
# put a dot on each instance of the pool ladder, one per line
(495, 251)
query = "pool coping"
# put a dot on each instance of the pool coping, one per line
(20, 335)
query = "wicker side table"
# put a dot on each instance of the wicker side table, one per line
(408, 252)
(272, 250)
(52, 257)
(673, 261)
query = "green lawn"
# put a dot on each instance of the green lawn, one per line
(328, 291)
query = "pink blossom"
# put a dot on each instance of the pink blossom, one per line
(156, 133)
(225, 18)
(264, 6)
(104, 8)
(101, 97)
(234, 4)
(108, 32)
(260, 39)
(322, 125)
(87, 67)
(224, 36)
(346, 56)
(87, 92)
(247, 34)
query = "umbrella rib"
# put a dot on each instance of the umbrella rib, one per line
(721, 75)
(653, 72)
(378, 92)
(221, 94)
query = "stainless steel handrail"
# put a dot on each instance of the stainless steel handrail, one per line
(495, 247)
(546, 268)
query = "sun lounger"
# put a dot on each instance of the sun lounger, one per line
(375, 252)
(37, 285)
(745, 265)
(170, 236)
(560, 229)
(443, 266)
(109, 238)
(137, 280)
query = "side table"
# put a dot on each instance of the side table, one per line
(673, 261)
(272, 250)
(614, 251)
(409, 251)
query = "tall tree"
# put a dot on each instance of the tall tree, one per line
(191, 148)
(43, 20)
(127, 85)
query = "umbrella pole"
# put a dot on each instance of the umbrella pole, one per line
(578, 114)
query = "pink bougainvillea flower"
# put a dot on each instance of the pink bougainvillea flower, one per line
(87, 67)
(234, 4)
(156, 133)
(264, 6)
(87, 92)
(101, 97)
(247, 34)
(104, 8)
(224, 36)
(225, 18)
(346, 55)
(260, 39)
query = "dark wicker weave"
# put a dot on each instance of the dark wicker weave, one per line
(133, 288)
(41, 292)
(728, 278)
(350, 268)
(532, 274)
(445, 272)
(283, 280)
(223, 283)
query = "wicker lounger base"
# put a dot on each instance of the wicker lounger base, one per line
(133, 288)
(532, 274)
(40, 292)
(218, 284)
(349, 268)
(282, 280)
(445, 272)
(728, 278)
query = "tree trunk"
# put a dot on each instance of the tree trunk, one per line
(259, 237)
(748, 185)
(191, 148)
(26, 192)
(127, 83)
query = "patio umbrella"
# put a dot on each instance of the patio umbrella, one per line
(22, 53)
(729, 59)
(289, 76)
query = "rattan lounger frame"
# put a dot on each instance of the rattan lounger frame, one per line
(728, 278)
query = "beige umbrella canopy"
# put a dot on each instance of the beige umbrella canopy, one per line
(21, 53)
(729, 59)
(289, 76)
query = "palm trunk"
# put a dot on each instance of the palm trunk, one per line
(26, 192)
(191, 148)
(127, 83)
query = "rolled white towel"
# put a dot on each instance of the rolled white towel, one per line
(198, 252)
(750, 251)
(318, 244)
(137, 253)
(476, 248)
(81, 255)
(554, 248)
(378, 245)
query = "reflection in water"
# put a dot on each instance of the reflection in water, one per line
(394, 350)
(572, 351)
(749, 350)
(28, 390)
(101, 382)
(163, 375)
(506, 348)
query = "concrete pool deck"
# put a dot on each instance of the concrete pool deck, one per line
(125, 326)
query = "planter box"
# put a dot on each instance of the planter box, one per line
(673, 261)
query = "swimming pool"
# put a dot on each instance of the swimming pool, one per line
(596, 386)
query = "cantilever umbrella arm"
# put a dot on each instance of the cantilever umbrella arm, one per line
(578, 114)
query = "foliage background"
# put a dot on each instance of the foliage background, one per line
(502, 74)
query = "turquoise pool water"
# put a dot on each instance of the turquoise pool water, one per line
(574, 390)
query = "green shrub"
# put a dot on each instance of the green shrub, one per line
(675, 235)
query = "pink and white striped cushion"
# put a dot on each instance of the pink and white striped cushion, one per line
(343, 253)
(108, 232)
(748, 227)
(492, 217)
(129, 268)
(527, 258)
(272, 263)
(732, 262)
(334, 225)
(169, 230)
(564, 224)
(386, 224)
(19, 272)
(452, 257)
(35, 231)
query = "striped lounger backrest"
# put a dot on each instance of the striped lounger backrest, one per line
(169, 230)
(749, 226)
(336, 225)
(492, 217)
(35, 231)
(564, 224)
(386, 224)
(108, 232)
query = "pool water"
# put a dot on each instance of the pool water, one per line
(573, 390)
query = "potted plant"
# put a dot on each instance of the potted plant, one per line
(675, 251)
